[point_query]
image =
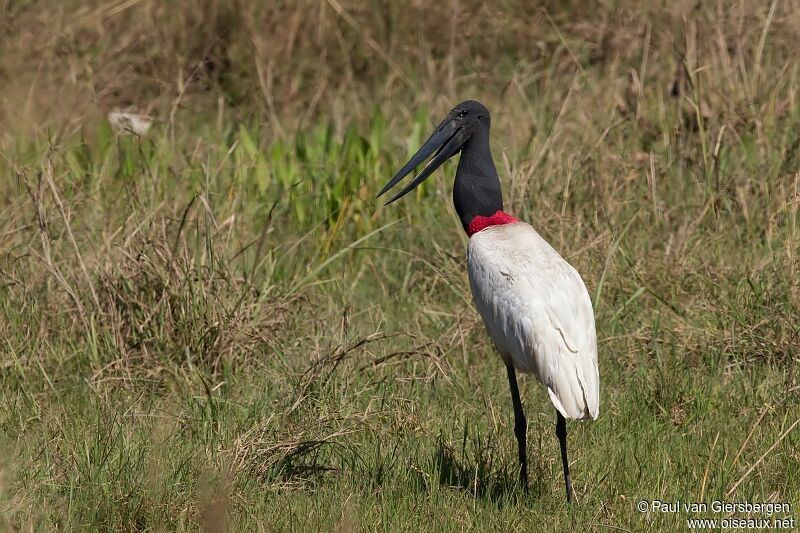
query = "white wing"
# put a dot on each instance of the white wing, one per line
(538, 313)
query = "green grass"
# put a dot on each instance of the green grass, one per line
(217, 326)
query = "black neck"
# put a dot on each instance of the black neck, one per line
(477, 187)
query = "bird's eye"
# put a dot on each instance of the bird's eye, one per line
(463, 113)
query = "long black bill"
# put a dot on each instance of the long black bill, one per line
(445, 141)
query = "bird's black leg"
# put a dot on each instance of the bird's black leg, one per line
(520, 427)
(561, 433)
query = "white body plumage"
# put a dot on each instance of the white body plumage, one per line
(538, 313)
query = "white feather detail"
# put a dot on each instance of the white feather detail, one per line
(538, 313)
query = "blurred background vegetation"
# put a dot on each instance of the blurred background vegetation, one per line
(289, 82)
(214, 324)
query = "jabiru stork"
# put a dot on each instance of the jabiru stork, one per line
(534, 304)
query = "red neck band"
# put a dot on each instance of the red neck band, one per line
(481, 222)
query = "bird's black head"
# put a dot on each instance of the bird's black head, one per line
(472, 114)
(469, 119)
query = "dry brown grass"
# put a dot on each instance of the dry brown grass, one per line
(292, 61)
